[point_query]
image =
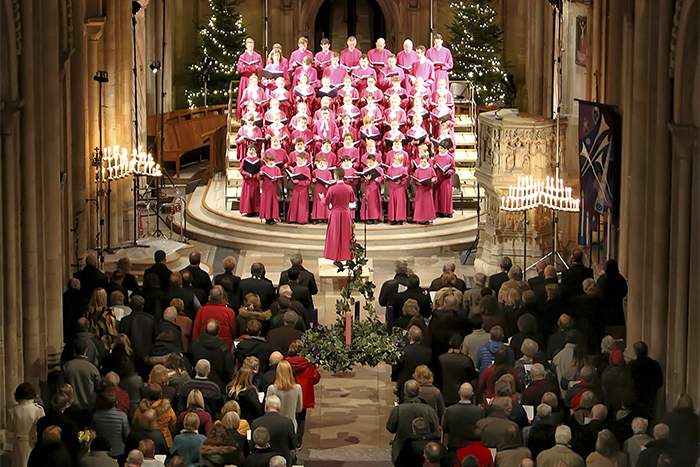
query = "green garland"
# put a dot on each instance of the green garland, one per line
(371, 343)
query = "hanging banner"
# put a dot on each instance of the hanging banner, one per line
(598, 126)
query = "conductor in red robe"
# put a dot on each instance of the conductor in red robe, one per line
(339, 231)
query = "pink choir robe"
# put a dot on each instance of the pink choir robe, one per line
(397, 194)
(424, 70)
(378, 58)
(308, 136)
(280, 156)
(405, 61)
(375, 113)
(339, 232)
(322, 60)
(282, 133)
(442, 192)
(310, 72)
(352, 111)
(268, 118)
(350, 58)
(415, 137)
(388, 143)
(319, 211)
(359, 76)
(336, 74)
(442, 62)
(403, 95)
(352, 91)
(269, 205)
(250, 192)
(299, 205)
(297, 58)
(294, 121)
(331, 158)
(257, 95)
(451, 137)
(376, 93)
(292, 158)
(363, 159)
(270, 84)
(386, 74)
(255, 61)
(423, 112)
(395, 114)
(342, 130)
(450, 101)
(372, 201)
(306, 94)
(325, 130)
(250, 135)
(424, 207)
(317, 114)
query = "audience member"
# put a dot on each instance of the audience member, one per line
(251, 310)
(280, 338)
(540, 435)
(496, 280)
(511, 451)
(607, 452)
(189, 442)
(90, 277)
(211, 391)
(414, 354)
(282, 436)
(684, 424)
(459, 422)
(261, 453)
(51, 452)
(160, 270)
(242, 390)
(147, 428)
(561, 453)
(414, 291)
(471, 299)
(492, 429)
(220, 449)
(74, 303)
(637, 443)
(258, 285)
(478, 337)
(208, 346)
(217, 309)
(456, 369)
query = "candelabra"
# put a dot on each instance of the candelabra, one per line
(530, 194)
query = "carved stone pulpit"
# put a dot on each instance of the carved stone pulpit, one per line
(513, 144)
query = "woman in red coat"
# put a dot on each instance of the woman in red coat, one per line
(307, 376)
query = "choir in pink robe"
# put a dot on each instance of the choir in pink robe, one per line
(350, 58)
(389, 159)
(351, 111)
(388, 146)
(424, 207)
(250, 193)
(336, 74)
(331, 158)
(395, 114)
(322, 60)
(426, 71)
(377, 58)
(299, 205)
(386, 74)
(352, 91)
(280, 156)
(297, 58)
(396, 210)
(269, 205)
(352, 152)
(269, 84)
(310, 72)
(248, 64)
(359, 75)
(339, 232)
(450, 102)
(405, 61)
(319, 211)
(442, 192)
(292, 158)
(442, 61)
(257, 95)
(376, 93)
(371, 208)
(282, 133)
(342, 130)
(250, 135)
(325, 129)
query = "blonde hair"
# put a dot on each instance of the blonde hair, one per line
(231, 406)
(252, 362)
(158, 375)
(98, 299)
(410, 307)
(242, 381)
(124, 264)
(195, 400)
(229, 263)
(178, 303)
(284, 381)
(231, 421)
(252, 301)
(191, 421)
(67, 389)
(423, 375)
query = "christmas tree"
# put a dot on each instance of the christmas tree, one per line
(476, 45)
(222, 40)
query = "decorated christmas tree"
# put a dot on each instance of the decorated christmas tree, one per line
(477, 45)
(222, 40)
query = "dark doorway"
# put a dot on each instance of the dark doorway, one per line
(338, 19)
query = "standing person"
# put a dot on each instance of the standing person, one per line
(249, 63)
(379, 55)
(441, 57)
(321, 178)
(422, 68)
(22, 420)
(307, 376)
(289, 392)
(250, 194)
(322, 59)
(444, 165)
(296, 59)
(101, 319)
(299, 205)
(339, 233)
(371, 211)
(270, 175)
(424, 176)
(350, 57)
(405, 60)
(397, 177)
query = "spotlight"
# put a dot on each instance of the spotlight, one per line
(155, 66)
(101, 76)
(135, 7)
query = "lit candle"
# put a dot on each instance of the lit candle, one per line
(348, 328)
(503, 202)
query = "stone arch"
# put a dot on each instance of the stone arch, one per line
(687, 65)
(309, 10)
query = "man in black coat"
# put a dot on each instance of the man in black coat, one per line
(557, 341)
(414, 354)
(541, 435)
(200, 279)
(51, 452)
(140, 327)
(280, 338)
(572, 278)
(306, 277)
(271, 373)
(647, 378)
(160, 270)
(209, 346)
(459, 421)
(69, 429)
(212, 393)
(391, 287)
(498, 279)
(73, 308)
(300, 292)
(661, 444)
(252, 345)
(284, 303)
(449, 266)
(261, 453)
(202, 296)
(414, 291)
(456, 369)
(230, 282)
(533, 282)
(283, 438)
(187, 295)
(550, 277)
(257, 284)
(90, 277)
(168, 324)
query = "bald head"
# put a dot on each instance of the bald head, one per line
(550, 272)
(527, 463)
(195, 258)
(91, 260)
(540, 266)
(170, 314)
(212, 327)
(217, 294)
(466, 392)
(74, 283)
(276, 357)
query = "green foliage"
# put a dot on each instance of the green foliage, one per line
(222, 39)
(371, 343)
(477, 46)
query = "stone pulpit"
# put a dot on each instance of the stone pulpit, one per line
(513, 144)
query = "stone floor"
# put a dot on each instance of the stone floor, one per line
(351, 408)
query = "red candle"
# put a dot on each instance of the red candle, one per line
(348, 327)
